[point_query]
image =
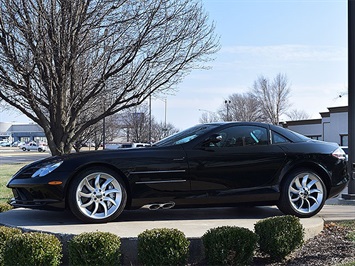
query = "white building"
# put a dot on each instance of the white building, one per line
(332, 127)
(21, 132)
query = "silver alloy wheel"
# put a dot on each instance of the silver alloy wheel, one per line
(98, 195)
(306, 193)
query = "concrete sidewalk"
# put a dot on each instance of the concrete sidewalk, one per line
(193, 222)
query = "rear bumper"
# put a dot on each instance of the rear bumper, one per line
(335, 191)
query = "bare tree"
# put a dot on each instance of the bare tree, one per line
(135, 125)
(162, 130)
(95, 133)
(61, 60)
(295, 114)
(273, 96)
(241, 107)
(209, 117)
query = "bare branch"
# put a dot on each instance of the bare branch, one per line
(61, 61)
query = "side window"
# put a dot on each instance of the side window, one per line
(238, 136)
(277, 138)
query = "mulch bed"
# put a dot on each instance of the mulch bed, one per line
(331, 247)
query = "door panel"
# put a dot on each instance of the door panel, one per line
(242, 161)
(235, 168)
(162, 175)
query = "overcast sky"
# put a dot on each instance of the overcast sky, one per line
(304, 39)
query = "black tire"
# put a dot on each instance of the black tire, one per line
(24, 149)
(97, 195)
(40, 150)
(302, 194)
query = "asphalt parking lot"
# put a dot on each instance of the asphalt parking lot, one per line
(13, 155)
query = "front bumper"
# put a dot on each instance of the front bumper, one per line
(36, 193)
(35, 200)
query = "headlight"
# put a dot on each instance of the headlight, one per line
(45, 170)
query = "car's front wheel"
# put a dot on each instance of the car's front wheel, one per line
(303, 194)
(97, 195)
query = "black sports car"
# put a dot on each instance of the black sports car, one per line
(220, 164)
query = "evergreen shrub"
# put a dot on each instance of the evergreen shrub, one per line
(95, 248)
(33, 249)
(279, 236)
(163, 246)
(229, 245)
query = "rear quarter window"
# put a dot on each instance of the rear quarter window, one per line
(277, 138)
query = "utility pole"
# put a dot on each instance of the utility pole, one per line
(351, 99)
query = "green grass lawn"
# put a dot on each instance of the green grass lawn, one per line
(6, 171)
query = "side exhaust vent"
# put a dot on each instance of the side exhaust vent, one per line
(158, 206)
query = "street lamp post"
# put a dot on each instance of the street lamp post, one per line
(103, 133)
(150, 119)
(165, 100)
(227, 102)
(165, 109)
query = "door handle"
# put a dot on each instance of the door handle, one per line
(179, 159)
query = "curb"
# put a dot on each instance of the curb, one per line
(64, 226)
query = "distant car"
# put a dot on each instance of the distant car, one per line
(21, 144)
(16, 143)
(112, 146)
(208, 165)
(5, 144)
(134, 145)
(115, 146)
(33, 146)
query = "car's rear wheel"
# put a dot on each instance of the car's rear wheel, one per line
(40, 150)
(303, 194)
(97, 195)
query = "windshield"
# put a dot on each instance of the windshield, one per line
(185, 136)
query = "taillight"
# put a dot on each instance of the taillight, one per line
(340, 154)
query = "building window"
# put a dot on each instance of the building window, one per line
(344, 140)
(41, 139)
(25, 139)
(316, 137)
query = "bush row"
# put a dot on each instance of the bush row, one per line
(5, 207)
(226, 245)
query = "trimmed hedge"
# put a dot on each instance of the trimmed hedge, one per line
(163, 246)
(33, 249)
(95, 248)
(279, 236)
(226, 245)
(5, 234)
(229, 245)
